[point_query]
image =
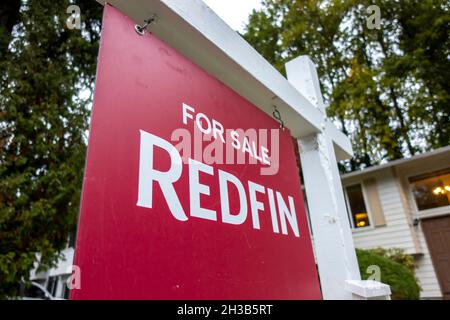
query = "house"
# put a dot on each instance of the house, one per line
(54, 281)
(406, 204)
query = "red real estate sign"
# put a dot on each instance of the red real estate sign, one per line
(164, 216)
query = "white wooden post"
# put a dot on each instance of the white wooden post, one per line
(334, 248)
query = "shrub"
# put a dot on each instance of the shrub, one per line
(398, 255)
(401, 278)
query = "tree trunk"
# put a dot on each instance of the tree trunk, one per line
(398, 111)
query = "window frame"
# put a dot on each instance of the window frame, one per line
(349, 209)
(427, 213)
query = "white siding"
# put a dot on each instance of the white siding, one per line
(397, 232)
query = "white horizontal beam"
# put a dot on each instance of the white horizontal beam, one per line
(342, 145)
(194, 30)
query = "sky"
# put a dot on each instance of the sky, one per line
(234, 12)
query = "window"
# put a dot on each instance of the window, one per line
(357, 206)
(66, 290)
(72, 239)
(431, 190)
(51, 285)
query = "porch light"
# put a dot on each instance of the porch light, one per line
(361, 219)
(441, 190)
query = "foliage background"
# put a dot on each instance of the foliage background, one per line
(387, 88)
(396, 268)
(45, 70)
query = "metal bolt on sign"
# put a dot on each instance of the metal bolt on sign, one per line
(140, 30)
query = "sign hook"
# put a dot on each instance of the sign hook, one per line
(277, 115)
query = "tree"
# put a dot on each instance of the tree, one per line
(9, 16)
(387, 88)
(426, 59)
(43, 120)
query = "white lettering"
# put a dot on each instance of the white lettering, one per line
(287, 214)
(148, 174)
(255, 205)
(227, 217)
(187, 115)
(196, 189)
